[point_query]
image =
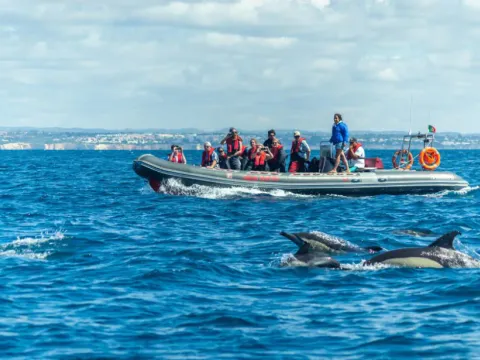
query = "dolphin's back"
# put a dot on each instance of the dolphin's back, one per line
(425, 257)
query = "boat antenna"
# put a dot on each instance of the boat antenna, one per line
(410, 130)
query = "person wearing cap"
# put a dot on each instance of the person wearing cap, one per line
(234, 149)
(339, 139)
(355, 155)
(209, 156)
(299, 153)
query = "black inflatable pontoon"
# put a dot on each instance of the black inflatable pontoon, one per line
(372, 182)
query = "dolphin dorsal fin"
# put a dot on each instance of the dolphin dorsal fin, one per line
(446, 240)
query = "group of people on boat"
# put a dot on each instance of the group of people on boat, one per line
(271, 156)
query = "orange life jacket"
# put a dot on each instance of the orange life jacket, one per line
(260, 158)
(207, 157)
(178, 159)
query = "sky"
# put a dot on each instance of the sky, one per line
(252, 64)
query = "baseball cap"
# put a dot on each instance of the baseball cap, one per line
(207, 143)
(296, 133)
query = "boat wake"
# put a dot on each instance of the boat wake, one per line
(32, 248)
(176, 187)
(444, 193)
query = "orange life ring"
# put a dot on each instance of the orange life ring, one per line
(409, 163)
(429, 158)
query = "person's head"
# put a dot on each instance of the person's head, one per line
(173, 147)
(271, 134)
(253, 142)
(296, 135)
(220, 150)
(353, 141)
(275, 142)
(207, 145)
(337, 118)
(233, 132)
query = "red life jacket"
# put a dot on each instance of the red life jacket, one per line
(244, 151)
(252, 152)
(178, 159)
(296, 145)
(207, 157)
(233, 145)
(275, 150)
(260, 159)
(355, 148)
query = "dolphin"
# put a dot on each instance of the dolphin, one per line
(439, 254)
(414, 232)
(312, 260)
(318, 242)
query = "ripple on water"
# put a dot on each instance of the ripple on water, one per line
(97, 265)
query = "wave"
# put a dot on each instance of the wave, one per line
(33, 248)
(444, 193)
(176, 187)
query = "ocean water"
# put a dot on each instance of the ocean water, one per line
(94, 264)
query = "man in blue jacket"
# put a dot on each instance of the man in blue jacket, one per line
(339, 139)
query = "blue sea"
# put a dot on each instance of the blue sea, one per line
(95, 265)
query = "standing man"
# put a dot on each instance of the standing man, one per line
(339, 139)
(234, 149)
(299, 153)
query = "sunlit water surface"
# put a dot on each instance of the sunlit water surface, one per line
(94, 264)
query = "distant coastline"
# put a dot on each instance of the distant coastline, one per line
(192, 139)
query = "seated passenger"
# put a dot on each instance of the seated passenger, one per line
(271, 137)
(177, 156)
(355, 155)
(222, 158)
(299, 154)
(172, 149)
(209, 156)
(234, 149)
(258, 157)
(277, 162)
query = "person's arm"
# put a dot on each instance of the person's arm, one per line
(268, 154)
(225, 139)
(344, 131)
(184, 158)
(214, 160)
(307, 150)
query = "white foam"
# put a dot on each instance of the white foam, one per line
(29, 241)
(32, 248)
(175, 187)
(25, 255)
(443, 193)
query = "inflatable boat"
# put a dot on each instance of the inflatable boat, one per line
(372, 181)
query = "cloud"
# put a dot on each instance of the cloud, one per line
(256, 62)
